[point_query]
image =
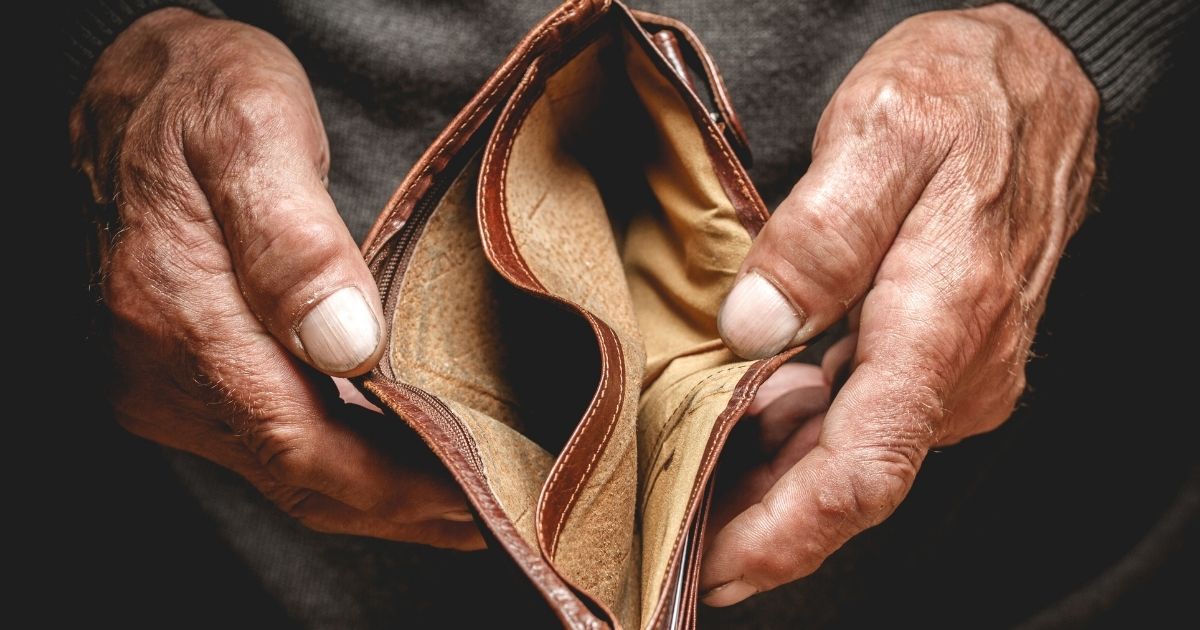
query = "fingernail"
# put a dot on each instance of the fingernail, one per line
(341, 332)
(728, 594)
(756, 321)
(459, 516)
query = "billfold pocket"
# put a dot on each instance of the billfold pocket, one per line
(551, 270)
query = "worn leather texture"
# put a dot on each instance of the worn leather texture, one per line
(552, 269)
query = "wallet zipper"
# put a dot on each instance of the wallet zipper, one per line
(395, 262)
(401, 251)
(451, 425)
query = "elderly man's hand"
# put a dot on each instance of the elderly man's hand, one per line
(949, 171)
(231, 270)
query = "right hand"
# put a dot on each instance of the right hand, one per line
(231, 270)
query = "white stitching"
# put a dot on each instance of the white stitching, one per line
(757, 370)
(567, 508)
(492, 94)
(597, 325)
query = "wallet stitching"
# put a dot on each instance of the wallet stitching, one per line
(569, 609)
(721, 144)
(689, 398)
(565, 10)
(708, 453)
(709, 128)
(562, 519)
(596, 324)
(505, 229)
(478, 487)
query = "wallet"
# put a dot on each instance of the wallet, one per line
(551, 271)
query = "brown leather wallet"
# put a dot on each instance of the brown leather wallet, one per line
(552, 269)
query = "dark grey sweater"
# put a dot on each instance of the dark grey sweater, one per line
(997, 532)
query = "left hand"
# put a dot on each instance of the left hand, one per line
(949, 170)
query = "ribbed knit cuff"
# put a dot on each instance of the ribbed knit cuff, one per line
(1123, 45)
(91, 25)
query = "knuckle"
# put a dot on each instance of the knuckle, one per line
(1020, 383)
(308, 247)
(837, 245)
(913, 405)
(299, 504)
(923, 403)
(903, 120)
(1007, 400)
(878, 481)
(884, 103)
(317, 243)
(122, 291)
(155, 276)
(282, 449)
(770, 565)
(255, 110)
(300, 508)
(131, 289)
(316, 524)
(885, 100)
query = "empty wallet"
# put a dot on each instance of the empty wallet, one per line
(551, 271)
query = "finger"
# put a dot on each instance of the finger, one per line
(912, 349)
(367, 461)
(324, 514)
(850, 480)
(788, 413)
(454, 529)
(786, 428)
(750, 485)
(820, 249)
(387, 473)
(837, 362)
(789, 377)
(191, 354)
(260, 162)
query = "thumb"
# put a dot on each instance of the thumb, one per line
(871, 444)
(817, 254)
(261, 160)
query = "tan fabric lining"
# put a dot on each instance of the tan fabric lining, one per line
(515, 467)
(444, 339)
(447, 309)
(613, 205)
(562, 228)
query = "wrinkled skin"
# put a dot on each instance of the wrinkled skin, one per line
(205, 135)
(949, 170)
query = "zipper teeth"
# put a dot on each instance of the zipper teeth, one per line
(463, 442)
(399, 250)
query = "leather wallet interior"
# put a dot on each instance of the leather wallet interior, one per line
(552, 277)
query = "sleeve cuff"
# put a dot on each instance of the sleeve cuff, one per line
(90, 27)
(1123, 45)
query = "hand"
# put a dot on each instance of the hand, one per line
(949, 170)
(231, 270)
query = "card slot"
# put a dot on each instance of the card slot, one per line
(463, 333)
